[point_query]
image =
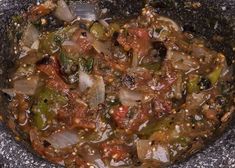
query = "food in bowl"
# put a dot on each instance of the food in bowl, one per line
(116, 93)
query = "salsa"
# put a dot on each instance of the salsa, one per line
(116, 93)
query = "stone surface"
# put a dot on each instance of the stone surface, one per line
(219, 155)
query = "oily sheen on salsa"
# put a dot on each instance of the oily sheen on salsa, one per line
(97, 93)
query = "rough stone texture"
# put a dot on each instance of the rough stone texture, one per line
(220, 154)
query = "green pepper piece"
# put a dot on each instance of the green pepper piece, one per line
(82, 63)
(192, 85)
(98, 31)
(47, 101)
(50, 42)
(214, 75)
(89, 64)
(156, 66)
(66, 62)
(86, 64)
(154, 126)
(40, 120)
(47, 44)
(113, 27)
(63, 58)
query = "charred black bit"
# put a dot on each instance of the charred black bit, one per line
(221, 100)
(204, 84)
(84, 34)
(46, 144)
(44, 61)
(128, 81)
(82, 26)
(160, 48)
(8, 97)
(114, 38)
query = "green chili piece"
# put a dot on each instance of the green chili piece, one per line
(156, 66)
(50, 42)
(40, 120)
(63, 58)
(214, 75)
(192, 85)
(47, 44)
(48, 101)
(98, 31)
(154, 126)
(89, 64)
(113, 27)
(86, 64)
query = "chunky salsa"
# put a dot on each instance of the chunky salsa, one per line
(116, 93)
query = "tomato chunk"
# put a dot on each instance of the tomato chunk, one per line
(130, 118)
(51, 69)
(115, 150)
(138, 40)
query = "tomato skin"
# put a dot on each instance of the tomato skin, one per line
(138, 40)
(38, 11)
(80, 115)
(119, 115)
(84, 44)
(115, 149)
(51, 69)
(131, 118)
(140, 33)
(161, 107)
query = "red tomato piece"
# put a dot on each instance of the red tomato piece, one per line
(52, 71)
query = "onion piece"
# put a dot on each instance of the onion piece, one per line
(27, 86)
(104, 23)
(63, 139)
(135, 60)
(96, 94)
(24, 52)
(172, 24)
(182, 61)
(148, 152)
(200, 51)
(102, 47)
(84, 10)
(85, 81)
(30, 35)
(93, 158)
(9, 92)
(178, 87)
(99, 46)
(71, 47)
(35, 45)
(197, 100)
(69, 43)
(130, 98)
(63, 12)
